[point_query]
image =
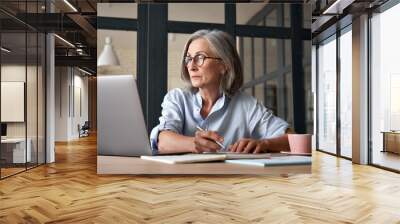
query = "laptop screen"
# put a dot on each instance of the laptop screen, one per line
(3, 129)
(121, 128)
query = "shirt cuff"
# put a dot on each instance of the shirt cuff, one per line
(163, 126)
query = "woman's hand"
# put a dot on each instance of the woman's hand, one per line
(204, 141)
(248, 145)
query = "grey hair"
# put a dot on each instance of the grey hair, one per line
(222, 45)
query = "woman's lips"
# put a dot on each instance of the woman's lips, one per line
(196, 77)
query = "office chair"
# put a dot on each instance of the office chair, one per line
(84, 130)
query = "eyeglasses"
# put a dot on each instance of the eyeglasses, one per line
(197, 59)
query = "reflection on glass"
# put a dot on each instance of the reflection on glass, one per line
(271, 96)
(288, 53)
(22, 89)
(258, 56)
(197, 12)
(288, 105)
(119, 10)
(273, 52)
(259, 92)
(246, 13)
(125, 46)
(307, 14)
(41, 98)
(247, 58)
(176, 43)
(345, 95)
(31, 101)
(385, 87)
(327, 97)
(14, 151)
(309, 99)
(287, 15)
(275, 64)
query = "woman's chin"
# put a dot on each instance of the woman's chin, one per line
(196, 84)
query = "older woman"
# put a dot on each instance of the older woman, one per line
(213, 109)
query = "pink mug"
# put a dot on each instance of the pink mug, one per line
(300, 143)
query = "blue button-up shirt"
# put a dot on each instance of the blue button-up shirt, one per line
(234, 118)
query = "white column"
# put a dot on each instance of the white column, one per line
(360, 90)
(50, 99)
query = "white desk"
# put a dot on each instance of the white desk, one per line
(137, 166)
(18, 149)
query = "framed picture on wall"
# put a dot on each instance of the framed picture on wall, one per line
(12, 101)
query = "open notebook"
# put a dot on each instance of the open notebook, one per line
(274, 161)
(208, 157)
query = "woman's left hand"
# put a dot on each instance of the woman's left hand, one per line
(248, 145)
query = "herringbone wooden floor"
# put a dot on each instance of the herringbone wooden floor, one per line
(70, 191)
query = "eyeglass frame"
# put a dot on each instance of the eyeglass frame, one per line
(193, 60)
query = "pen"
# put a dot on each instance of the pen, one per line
(219, 143)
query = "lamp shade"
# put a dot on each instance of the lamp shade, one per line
(107, 56)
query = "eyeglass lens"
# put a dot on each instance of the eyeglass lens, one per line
(197, 59)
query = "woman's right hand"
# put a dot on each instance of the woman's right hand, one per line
(204, 141)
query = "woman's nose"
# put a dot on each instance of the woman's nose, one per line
(192, 66)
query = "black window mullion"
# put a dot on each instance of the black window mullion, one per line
(299, 112)
(230, 19)
(317, 96)
(110, 23)
(253, 65)
(26, 88)
(338, 97)
(369, 78)
(44, 71)
(152, 59)
(37, 91)
(0, 95)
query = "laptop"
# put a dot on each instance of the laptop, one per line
(3, 131)
(121, 127)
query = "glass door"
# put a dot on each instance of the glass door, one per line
(326, 92)
(346, 92)
(385, 89)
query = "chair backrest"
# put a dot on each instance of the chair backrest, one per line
(86, 125)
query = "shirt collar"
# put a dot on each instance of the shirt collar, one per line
(221, 101)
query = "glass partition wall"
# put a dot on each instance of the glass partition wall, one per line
(345, 55)
(22, 100)
(385, 89)
(326, 62)
(334, 91)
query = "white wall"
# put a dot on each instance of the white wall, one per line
(16, 73)
(61, 103)
(68, 83)
(79, 117)
(33, 125)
